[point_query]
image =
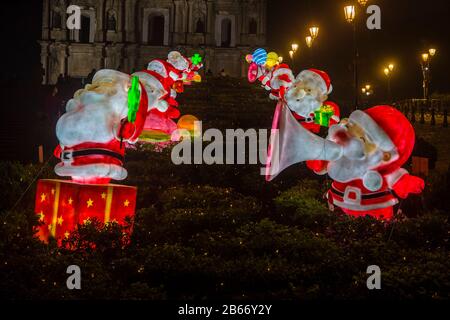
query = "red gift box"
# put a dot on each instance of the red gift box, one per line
(61, 205)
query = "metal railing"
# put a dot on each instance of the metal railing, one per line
(432, 111)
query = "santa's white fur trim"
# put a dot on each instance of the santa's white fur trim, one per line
(100, 170)
(373, 130)
(395, 176)
(372, 180)
(335, 118)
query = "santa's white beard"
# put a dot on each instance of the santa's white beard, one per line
(354, 164)
(92, 118)
(307, 105)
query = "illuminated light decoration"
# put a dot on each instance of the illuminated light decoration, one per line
(252, 73)
(363, 181)
(350, 13)
(249, 58)
(272, 60)
(314, 31)
(386, 71)
(60, 216)
(280, 59)
(259, 56)
(196, 59)
(425, 57)
(323, 116)
(432, 52)
(190, 124)
(368, 86)
(100, 121)
(134, 96)
(310, 93)
(294, 47)
(291, 54)
(363, 2)
(309, 41)
(391, 67)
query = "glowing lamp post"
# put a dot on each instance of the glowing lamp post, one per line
(425, 63)
(350, 14)
(309, 41)
(388, 72)
(363, 2)
(314, 31)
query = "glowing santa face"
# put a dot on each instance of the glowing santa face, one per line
(360, 154)
(95, 112)
(303, 97)
(178, 61)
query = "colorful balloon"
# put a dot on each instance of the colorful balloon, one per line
(260, 56)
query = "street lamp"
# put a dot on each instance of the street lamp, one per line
(314, 31)
(388, 71)
(363, 2)
(309, 41)
(425, 63)
(350, 14)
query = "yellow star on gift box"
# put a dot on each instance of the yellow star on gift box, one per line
(41, 216)
(43, 196)
(60, 221)
(90, 203)
(70, 200)
(126, 203)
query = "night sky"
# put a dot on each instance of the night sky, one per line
(408, 28)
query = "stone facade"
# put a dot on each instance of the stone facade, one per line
(127, 34)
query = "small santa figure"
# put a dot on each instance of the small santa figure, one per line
(307, 98)
(368, 178)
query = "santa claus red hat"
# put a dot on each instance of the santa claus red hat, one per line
(320, 78)
(390, 130)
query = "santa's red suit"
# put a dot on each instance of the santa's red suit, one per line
(390, 130)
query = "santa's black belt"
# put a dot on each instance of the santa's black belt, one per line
(364, 196)
(68, 155)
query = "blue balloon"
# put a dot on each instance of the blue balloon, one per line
(260, 56)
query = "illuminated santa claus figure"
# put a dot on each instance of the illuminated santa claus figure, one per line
(307, 98)
(111, 113)
(368, 178)
(91, 135)
(362, 154)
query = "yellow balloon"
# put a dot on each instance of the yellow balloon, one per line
(272, 59)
